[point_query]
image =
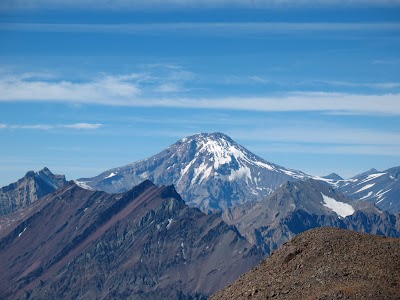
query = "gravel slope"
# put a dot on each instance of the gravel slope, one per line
(324, 263)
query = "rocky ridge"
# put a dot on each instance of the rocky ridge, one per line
(145, 243)
(299, 206)
(379, 187)
(324, 263)
(30, 188)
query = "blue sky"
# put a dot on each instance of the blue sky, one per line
(90, 85)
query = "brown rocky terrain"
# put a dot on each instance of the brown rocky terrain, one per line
(324, 263)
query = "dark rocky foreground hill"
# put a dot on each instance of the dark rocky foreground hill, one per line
(324, 263)
(30, 188)
(142, 244)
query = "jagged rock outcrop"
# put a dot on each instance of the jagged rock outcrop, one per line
(30, 188)
(324, 263)
(145, 243)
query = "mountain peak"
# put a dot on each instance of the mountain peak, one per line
(209, 135)
(333, 176)
(45, 170)
(30, 174)
(21, 193)
(210, 171)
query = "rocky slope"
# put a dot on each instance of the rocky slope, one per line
(324, 263)
(210, 171)
(381, 188)
(28, 189)
(145, 243)
(299, 206)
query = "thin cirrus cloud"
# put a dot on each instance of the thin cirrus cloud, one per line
(189, 4)
(325, 140)
(83, 126)
(375, 85)
(101, 90)
(78, 126)
(327, 135)
(375, 150)
(124, 91)
(213, 28)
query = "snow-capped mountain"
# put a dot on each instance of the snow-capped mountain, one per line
(210, 171)
(381, 188)
(299, 206)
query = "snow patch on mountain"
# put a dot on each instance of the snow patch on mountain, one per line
(83, 185)
(22, 232)
(366, 196)
(371, 177)
(340, 208)
(366, 187)
(242, 172)
(111, 175)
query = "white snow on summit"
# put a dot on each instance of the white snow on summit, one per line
(340, 208)
(222, 151)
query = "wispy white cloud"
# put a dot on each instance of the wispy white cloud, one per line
(103, 89)
(35, 126)
(323, 134)
(375, 150)
(84, 126)
(323, 139)
(262, 80)
(169, 88)
(190, 4)
(292, 101)
(375, 85)
(209, 28)
(125, 90)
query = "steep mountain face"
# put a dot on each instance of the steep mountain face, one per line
(299, 206)
(324, 263)
(381, 188)
(210, 171)
(31, 187)
(142, 244)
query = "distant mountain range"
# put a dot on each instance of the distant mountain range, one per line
(143, 244)
(29, 189)
(299, 206)
(214, 173)
(119, 235)
(381, 188)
